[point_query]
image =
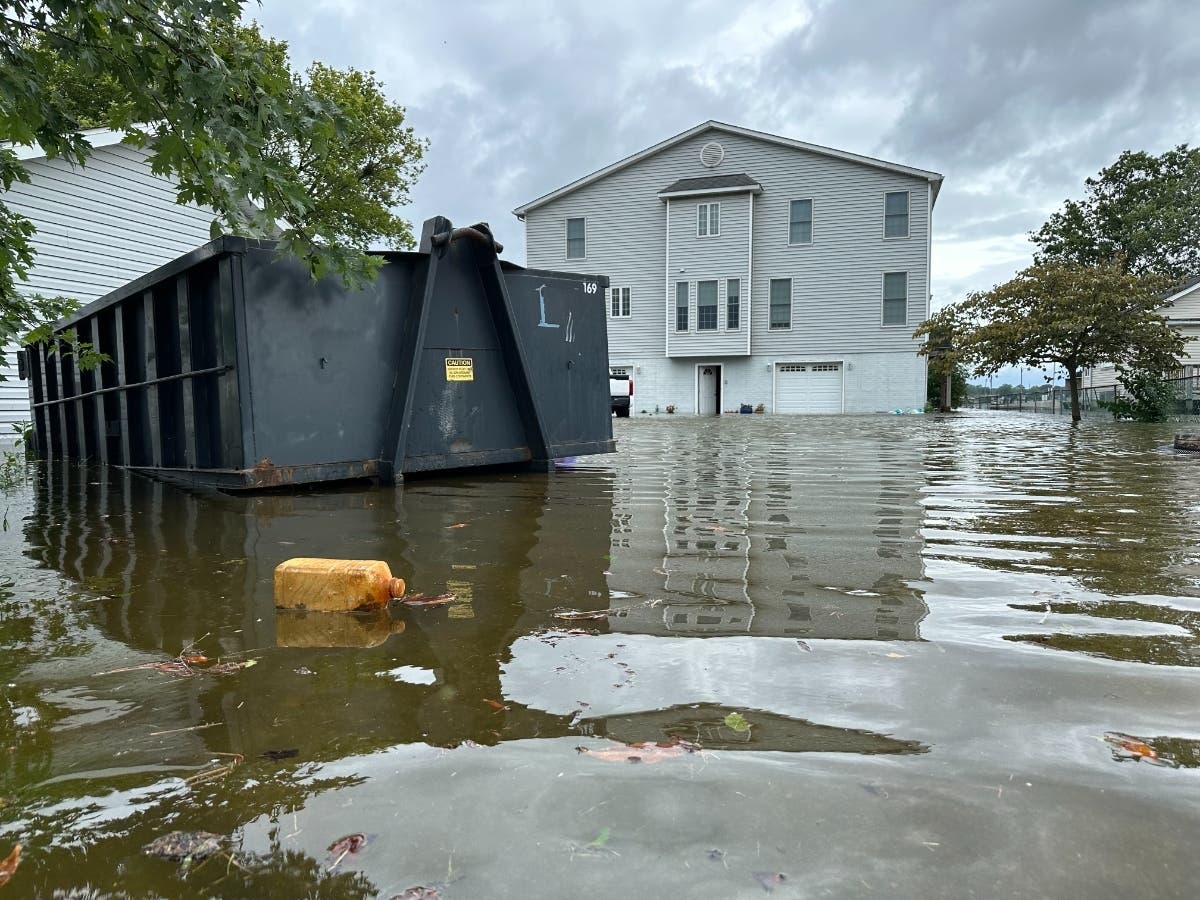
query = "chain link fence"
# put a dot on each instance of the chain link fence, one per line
(1057, 400)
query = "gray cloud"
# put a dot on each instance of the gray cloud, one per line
(1016, 103)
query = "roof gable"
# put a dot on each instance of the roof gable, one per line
(934, 178)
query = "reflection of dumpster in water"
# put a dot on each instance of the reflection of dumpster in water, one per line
(231, 368)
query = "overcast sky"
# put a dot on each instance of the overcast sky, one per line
(1015, 102)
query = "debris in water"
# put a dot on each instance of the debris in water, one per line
(428, 599)
(350, 843)
(231, 668)
(803, 645)
(236, 759)
(716, 855)
(185, 846)
(642, 752)
(580, 615)
(458, 525)
(769, 880)
(303, 670)
(280, 754)
(1127, 747)
(420, 892)
(496, 705)
(9, 866)
(874, 789)
(736, 722)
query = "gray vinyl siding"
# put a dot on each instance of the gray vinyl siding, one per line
(625, 240)
(714, 258)
(837, 279)
(98, 226)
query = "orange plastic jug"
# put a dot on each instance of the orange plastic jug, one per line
(335, 585)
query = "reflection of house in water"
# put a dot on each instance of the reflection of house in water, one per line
(827, 550)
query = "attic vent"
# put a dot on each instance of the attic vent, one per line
(711, 155)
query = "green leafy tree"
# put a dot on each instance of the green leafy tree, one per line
(1072, 314)
(1144, 209)
(319, 161)
(958, 386)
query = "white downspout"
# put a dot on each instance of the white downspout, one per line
(750, 276)
(667, 286)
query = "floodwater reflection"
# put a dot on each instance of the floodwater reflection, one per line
(858, 646)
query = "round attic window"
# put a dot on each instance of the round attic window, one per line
(711, 155)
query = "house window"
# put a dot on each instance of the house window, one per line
(733, 304)
(618, 302)
(708, 219)
(706, 306)
(681, 306)
(575, 239)
(895, 298)
(781, 303)
(800, 222)
(895, 215)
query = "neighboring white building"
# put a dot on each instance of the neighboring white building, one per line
(1182, 309)
(98, 226)
(753, 269)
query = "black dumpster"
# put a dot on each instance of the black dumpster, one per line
(231, 368)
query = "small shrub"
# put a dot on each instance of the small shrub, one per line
(1146, 397)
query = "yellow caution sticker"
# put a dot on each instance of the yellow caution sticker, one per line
(460, 368)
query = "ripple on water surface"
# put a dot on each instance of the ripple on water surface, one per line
(864, 652)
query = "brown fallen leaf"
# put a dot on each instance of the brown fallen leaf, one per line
(642, 752)
(193, 659)
(496, 705)
(350, 843)
(1128, 746)
(280, 754)
(9, 866)
(580, 615)
(458, 525)
(427, 599)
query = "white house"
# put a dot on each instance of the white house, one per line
(1182, 309)
(98, 226)
(748, 268)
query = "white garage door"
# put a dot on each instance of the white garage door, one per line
(808, 387)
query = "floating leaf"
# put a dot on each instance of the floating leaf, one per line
(9, 866)
(349, 843)
(185, 845)
(1129, 747)
(496, 705)
(580, 615)
(735, 721)
(641, 752)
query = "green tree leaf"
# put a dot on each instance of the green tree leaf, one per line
(320, 161)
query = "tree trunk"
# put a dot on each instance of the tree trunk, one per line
(947, 392)
(1073, 376)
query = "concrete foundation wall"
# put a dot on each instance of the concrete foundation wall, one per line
(873, 382)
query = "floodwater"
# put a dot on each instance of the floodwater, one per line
(864, 657)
